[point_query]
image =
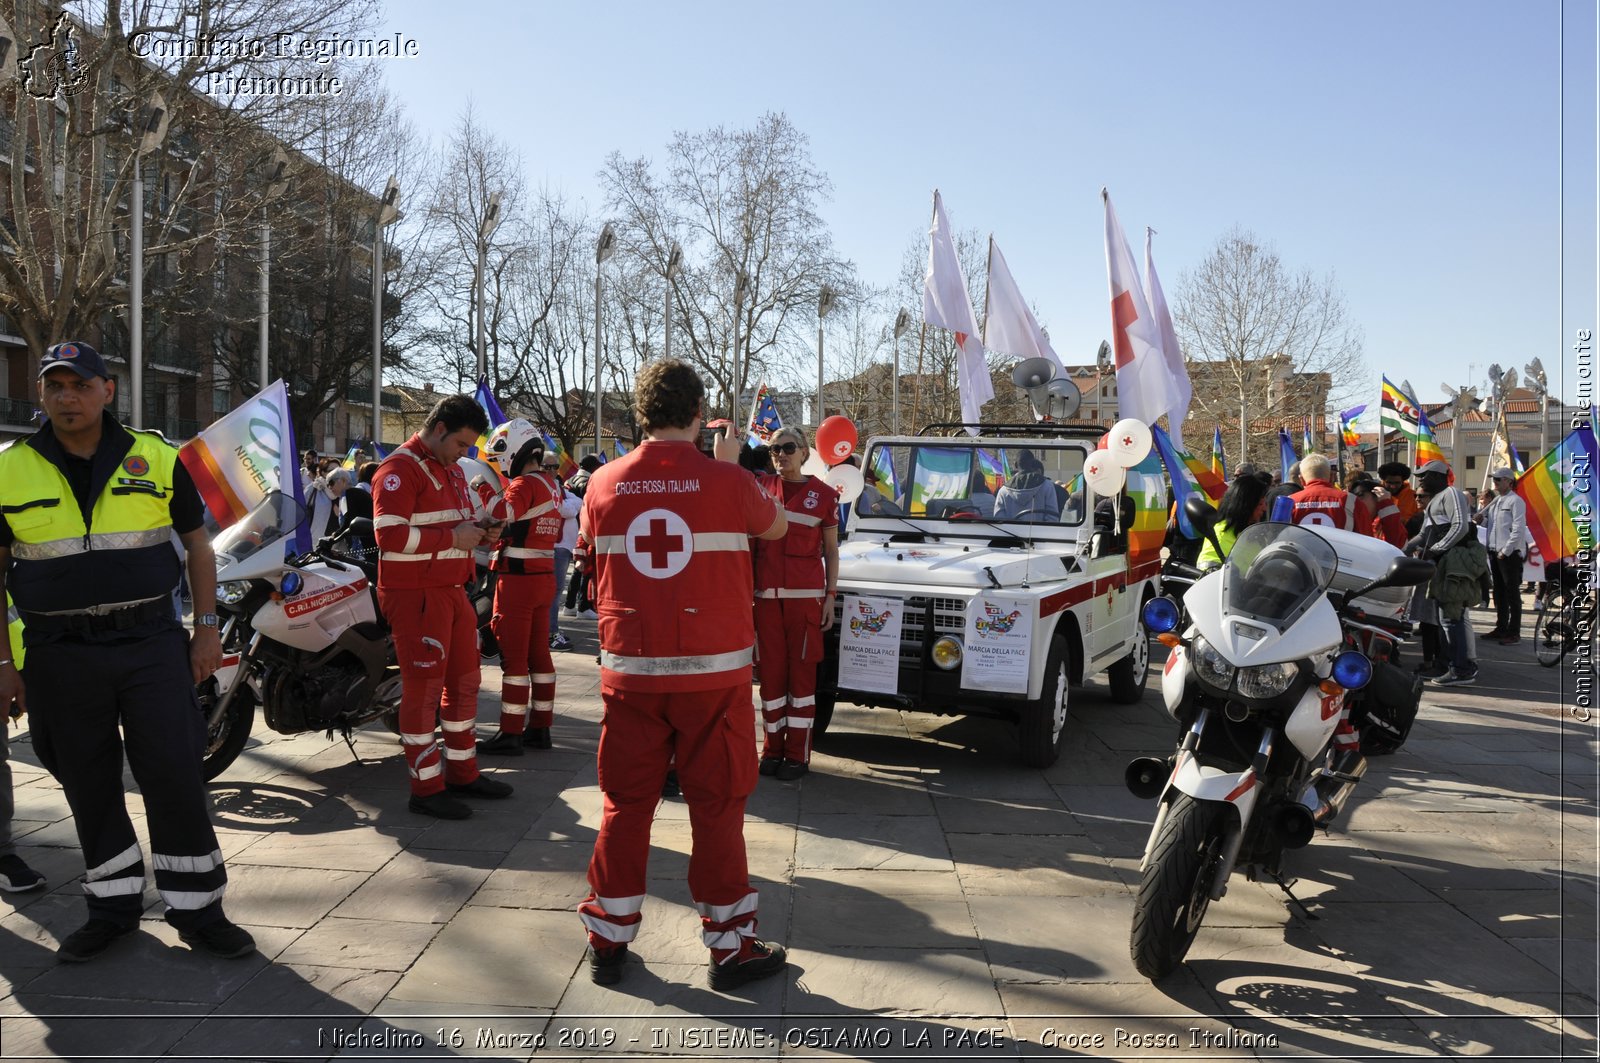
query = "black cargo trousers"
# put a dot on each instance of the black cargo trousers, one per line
(78, 692)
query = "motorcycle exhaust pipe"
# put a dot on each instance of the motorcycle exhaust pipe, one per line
(1146, 777)
(1335, 787)
(1294, 825)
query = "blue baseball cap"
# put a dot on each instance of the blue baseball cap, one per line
(78, 357)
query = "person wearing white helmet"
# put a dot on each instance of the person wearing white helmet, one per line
(524, 589)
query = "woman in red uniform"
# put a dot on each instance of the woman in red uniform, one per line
(796, 577)
(525, 586)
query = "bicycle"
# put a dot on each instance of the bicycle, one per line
(1564, 617)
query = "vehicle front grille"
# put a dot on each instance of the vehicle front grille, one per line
(949, 617)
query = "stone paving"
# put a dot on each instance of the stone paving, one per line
(939, 901)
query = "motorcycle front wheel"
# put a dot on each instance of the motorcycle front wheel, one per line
(226, 740)
(1176, 888)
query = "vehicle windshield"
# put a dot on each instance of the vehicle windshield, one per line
(275, 517)
(950, 479)
(1276, 572)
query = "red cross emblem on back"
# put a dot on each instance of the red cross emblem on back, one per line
(659, 543)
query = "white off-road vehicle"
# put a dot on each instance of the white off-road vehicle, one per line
(982, 577)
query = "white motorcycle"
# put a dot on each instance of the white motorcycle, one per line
(1259, 677)
(302, 637)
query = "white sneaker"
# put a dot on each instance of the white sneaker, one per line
(589, 614)
(567, 610)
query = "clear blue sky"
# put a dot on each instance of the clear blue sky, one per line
(1413, 148)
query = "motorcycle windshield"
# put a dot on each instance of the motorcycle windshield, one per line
(274, 519)
(1276, 572)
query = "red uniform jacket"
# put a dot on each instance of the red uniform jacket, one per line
(792, 567)
(1321, 505)
(417, 503)
(670, 529)
(529, 504)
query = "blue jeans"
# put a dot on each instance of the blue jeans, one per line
(563, 562)
(1457, 638)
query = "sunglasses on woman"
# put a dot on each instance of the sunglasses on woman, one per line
(785, 448)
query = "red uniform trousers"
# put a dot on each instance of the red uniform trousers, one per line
(712, 736)
(788, 648)
(436, 643)
(521, 625)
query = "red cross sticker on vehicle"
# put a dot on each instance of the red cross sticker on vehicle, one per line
(659, 543)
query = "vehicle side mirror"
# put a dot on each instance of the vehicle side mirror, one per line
(360, 526)
(1203, 518)
(1402, 572)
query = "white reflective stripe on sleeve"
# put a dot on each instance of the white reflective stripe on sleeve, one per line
(515, 680)
(457, 725)
(721, 913)
(436, 516)
(189, 902)
(805, 520)
(209, 862)
(420, 739)
(413, 540)
(701, 665)
(127, 858)
(390, 520)
(115, 887)
(523, 552)
(459, 754)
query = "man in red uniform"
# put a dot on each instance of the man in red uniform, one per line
(669, 529)
(525, 586)
(1386, 525)
(427, 526)
(795, 584)
(1319, 504)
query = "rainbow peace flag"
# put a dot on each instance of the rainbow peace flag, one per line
(1149, 529)
(1428, 448)
(485, 398)
(567, 466)
(993, 469)
(1347, 425)
(1219, 461)
(938, 472)
(1560, 492)
(1188, 475)
(349, 461)
(1286, 455)
(883, 469)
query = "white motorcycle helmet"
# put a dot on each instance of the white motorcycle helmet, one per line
(508, 440)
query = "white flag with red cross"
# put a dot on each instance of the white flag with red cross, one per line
(1145, 388)
(946, 305)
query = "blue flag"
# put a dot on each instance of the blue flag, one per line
(1286, 455)
(764, 419)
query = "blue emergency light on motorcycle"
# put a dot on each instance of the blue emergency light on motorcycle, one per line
(291, 583)
(1352, 670)
(1282, 510)
(1160, 615)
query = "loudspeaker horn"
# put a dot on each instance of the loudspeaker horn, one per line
(1033, 373)
(1064, 399)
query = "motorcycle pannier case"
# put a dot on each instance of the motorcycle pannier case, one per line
(1390, 704)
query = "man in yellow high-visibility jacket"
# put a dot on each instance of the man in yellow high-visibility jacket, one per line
(88, 511)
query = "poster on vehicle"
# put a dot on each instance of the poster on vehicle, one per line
(996, 644)
(869, 644)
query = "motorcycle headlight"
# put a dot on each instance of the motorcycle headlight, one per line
(1266, 681)
(233, 592)
(1210, 665)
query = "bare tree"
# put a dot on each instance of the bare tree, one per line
(73, 123)
(1265, 345)
(737, 201)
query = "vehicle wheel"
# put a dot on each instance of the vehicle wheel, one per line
(1044, 720)
(488, 645)
(226, 740)
(824, 716)
(1176, 889)
(1553, 629)
(1129, 675)
(391, 721)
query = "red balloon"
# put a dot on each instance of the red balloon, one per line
(836, 438)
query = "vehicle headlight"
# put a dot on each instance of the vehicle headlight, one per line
(1266, 681)
(233, 592)
(1210, 665)
(947, 652)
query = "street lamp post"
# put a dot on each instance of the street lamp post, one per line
(491, 218)
(739, 281)
(388, 212)
(902, 321)
(275, 187)
(603, 249)
(154, 132)
(674, 260)
(825, 300)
